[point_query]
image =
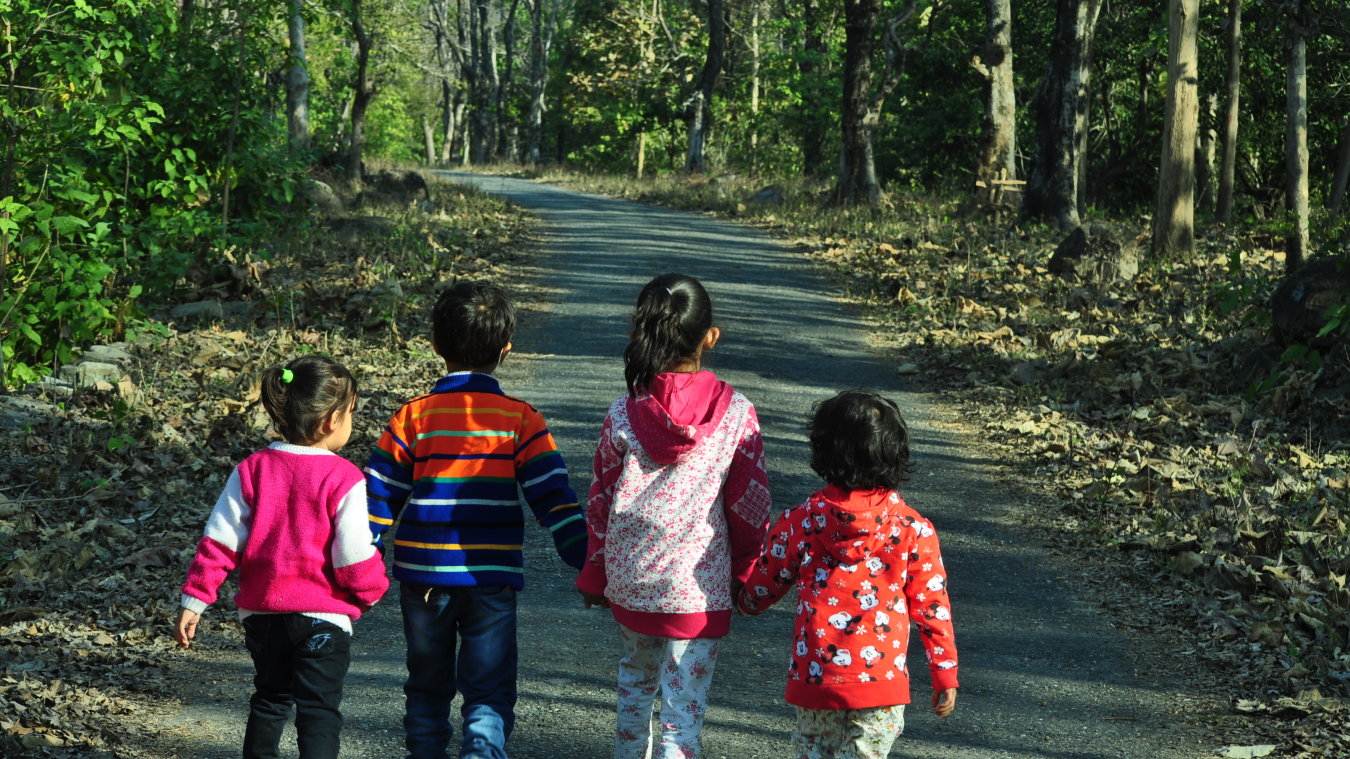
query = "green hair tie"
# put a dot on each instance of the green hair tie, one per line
(287, 375)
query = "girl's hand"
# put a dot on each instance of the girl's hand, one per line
(944, 702)
(593, 600)
(187, 627)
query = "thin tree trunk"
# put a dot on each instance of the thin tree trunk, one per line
(1338, 185)
(754, 84)
(447, 122)
(484, 82)
(857, 181)
(815, 134)
(362, 93)
(1052, 190)
(641, 153)
(998, 148)
(1174, 215)
(234, 122)
(539, 47)
(505, 143)
(1204, 170)
(699, 110)
(297, 81)
(1233, 84)
(1296, 141)
(429, 140)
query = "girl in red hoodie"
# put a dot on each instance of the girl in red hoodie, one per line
(675, 518)
(863, 564)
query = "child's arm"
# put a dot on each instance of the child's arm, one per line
(775, 571)
(217, 554)
(389, 475)
(357, 566)
(747, 501)
(542, 475)
(605, 468)
(931, 609)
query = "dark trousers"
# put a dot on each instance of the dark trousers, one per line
(299, 661)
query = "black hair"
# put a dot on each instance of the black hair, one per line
(859, 441)
(472, 322)
(673, 315)
(317, 387)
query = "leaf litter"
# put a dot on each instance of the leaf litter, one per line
(102, 502)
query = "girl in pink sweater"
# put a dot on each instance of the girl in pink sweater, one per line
(292, 521)
(675, 517)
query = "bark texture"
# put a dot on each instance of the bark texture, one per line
(1233, 85)
(297, 80)
(699, 109)
(998, 149)
(1296, 141)
(1174, 215)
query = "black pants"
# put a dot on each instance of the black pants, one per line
(302, 661)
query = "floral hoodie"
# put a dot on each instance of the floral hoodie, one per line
(678, 506)
(860, 561)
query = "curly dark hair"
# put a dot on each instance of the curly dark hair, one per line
(472, 322)
(859, 441)
(318, 387)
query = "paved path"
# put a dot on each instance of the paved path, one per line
(1042, 674)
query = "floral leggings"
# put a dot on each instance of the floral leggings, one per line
(682, 670)
(848, 733)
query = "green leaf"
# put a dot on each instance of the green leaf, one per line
(67, 224)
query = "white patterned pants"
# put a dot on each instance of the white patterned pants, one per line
(848, 733)
(681, 670)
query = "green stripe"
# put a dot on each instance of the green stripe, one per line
(568, 520)
(540, 456)
(466, 479)
(481, 568)
(567, 543)
(466, 433)
(387, 455)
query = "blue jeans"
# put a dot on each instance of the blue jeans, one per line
(482, 622)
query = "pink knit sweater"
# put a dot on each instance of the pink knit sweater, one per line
(292, 520)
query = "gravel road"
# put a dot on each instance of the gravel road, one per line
(1044, 673)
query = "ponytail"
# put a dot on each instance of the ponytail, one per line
(672, 316)
(302, 394)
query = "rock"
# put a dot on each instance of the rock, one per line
(17, 412)
(53, 387)
(399, 185)
(1301, 306)
(1096, 253)
(325, 200)
(91, 374)
(112, 353)
(201, 310)
(350, 229)
(768, 196)
(1025, 373)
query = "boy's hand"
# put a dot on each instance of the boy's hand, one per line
(187, 627)
(593, 600)
(944, 702)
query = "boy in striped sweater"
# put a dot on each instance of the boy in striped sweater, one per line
(452, 468)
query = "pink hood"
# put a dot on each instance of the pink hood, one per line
(678, 411)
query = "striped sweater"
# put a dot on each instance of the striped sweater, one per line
(453, 467)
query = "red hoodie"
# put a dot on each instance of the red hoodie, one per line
(678, 506)
(860, 562)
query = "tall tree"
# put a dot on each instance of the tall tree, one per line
(1053, 186)
(363, 91)
(698, 111)
(1342, 177)
(483, 78)
(1233, 86)
(541, 40)
(1174, 215)
(998, 142)
(297, 80)
(1296, 137)
(817, 17)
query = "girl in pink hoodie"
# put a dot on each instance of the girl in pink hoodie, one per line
(292, 522)
(675, 517)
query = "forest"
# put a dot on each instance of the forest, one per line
(1117, 230)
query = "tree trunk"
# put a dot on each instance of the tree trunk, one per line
(699, 110)
(754, 84)
(297, 81)
(540, 42)
(505, 127)
(1338, 185)
(857, 181)
(1296, 141)
(1204, 169)
(1174, 215)
(1052, 190)
(815, 130)
(363, 91)
(998, 150)
(429, 140)
(483, 82)
(1233, 84)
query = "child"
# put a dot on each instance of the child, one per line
(452, 466)
(292, 520)
(675, 517)
(860, 559)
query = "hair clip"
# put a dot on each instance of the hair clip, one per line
(669, 291)
(287, 375)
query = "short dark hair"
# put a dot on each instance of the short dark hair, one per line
(472, 322)
(672, 316)
(859, 441)
(302, 394)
